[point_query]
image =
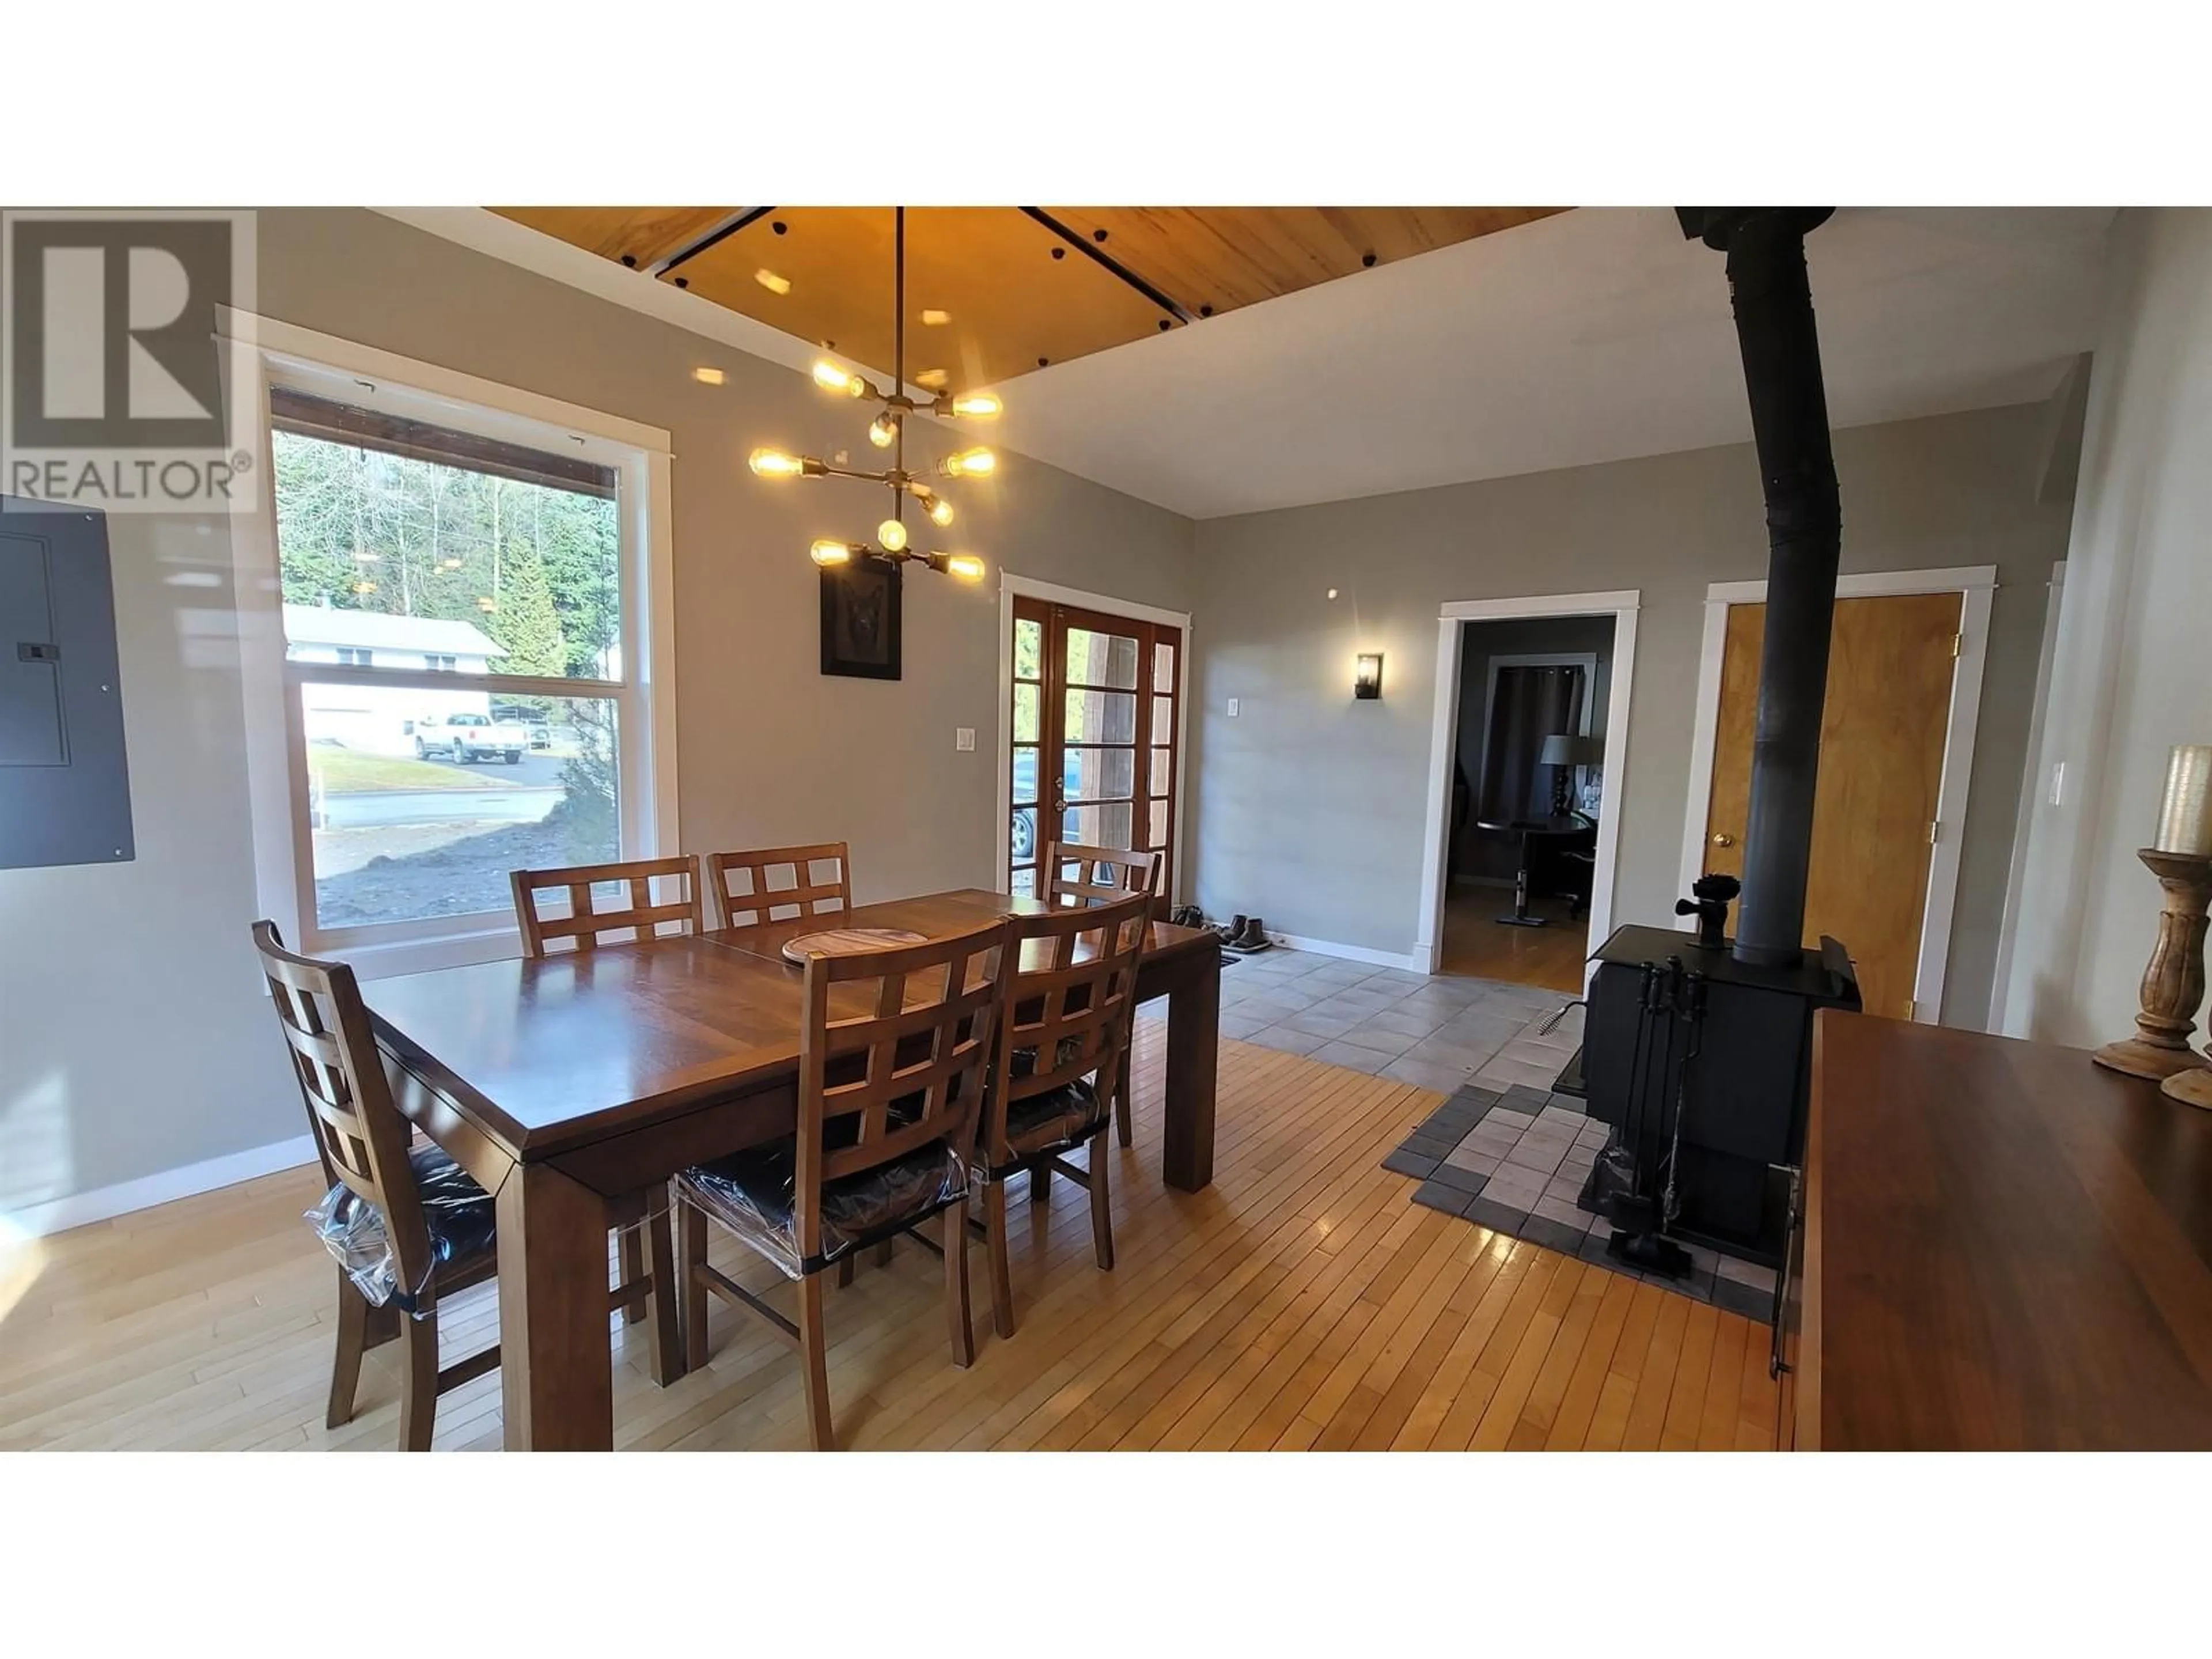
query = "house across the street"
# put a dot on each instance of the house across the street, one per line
(375, 718)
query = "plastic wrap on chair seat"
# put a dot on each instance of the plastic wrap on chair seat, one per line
(1058, 1118)
(458, 1215)
(754, 1194)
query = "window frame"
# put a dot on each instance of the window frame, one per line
(325, 366)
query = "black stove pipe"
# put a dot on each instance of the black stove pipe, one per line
(1781, 349)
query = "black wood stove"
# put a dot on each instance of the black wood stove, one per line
(1698, 1048)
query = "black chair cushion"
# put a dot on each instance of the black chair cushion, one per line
(1056, 1119)
(755, 1195)
(459, 1216)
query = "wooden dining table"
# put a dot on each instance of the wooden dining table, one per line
(565, 1082)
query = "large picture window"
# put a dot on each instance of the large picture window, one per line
(460, 642)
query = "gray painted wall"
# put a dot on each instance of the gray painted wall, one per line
(2128, 678)
(1484, 854)
(133, 1037)
(1308, 807)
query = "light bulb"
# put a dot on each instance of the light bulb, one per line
(940, 510)
(966, 566)
(775, 464)
(828, 553)
(892, 534)
(833, 378)
(979, 404)
(882, 431)
(969, 464)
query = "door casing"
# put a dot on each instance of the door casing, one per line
(1977, 584)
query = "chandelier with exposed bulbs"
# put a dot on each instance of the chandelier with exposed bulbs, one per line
(888, 431)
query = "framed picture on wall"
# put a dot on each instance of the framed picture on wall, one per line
(861, 631)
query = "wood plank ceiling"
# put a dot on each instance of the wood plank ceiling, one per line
(993, 293)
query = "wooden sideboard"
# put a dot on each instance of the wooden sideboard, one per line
(2003, 1248)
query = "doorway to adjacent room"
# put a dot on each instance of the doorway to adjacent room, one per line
(1528, 791)
(1531, 694)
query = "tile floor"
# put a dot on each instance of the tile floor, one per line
(1437, 1032)
(1515, 1160)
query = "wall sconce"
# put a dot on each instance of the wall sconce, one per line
(1367, 676)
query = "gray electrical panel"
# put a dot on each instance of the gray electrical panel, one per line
(64, 787)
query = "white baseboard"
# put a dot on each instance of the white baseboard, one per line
(81, 1209)
(1412, 962)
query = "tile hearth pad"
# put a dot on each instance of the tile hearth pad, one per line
(1514, 1160)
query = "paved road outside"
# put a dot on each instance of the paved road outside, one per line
(535, 767)
(377, 808)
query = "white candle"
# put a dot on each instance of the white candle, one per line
(2185, 817)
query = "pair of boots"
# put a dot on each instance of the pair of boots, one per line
(1244, 933)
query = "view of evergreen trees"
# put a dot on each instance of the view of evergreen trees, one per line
(428, 540)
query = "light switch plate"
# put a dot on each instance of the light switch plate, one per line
(963, 738)
(1232, 708)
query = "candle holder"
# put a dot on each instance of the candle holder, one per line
(2173, 981)
(2190, 1088)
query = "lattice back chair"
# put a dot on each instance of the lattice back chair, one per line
(438, 1224)
(1062, 1048)
(1079, 875)
(365, 1146)
(637, 914)
(758, 877)
(894, 1058)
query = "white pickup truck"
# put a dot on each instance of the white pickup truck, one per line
(471, 738)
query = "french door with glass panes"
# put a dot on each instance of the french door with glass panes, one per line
(1094, 736)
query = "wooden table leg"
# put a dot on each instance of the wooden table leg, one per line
(1194, 1046)
(557, 1376)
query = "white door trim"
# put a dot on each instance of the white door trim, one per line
(1011, 587)
(1977, 586)
(1622, 605)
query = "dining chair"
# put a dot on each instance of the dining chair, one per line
(587, 920)
(1062, 1047)
(1079, 875)
(894, 1056)
(410, 1224)
(586, 926)
(761, 872)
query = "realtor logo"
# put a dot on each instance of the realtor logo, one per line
(114, 360)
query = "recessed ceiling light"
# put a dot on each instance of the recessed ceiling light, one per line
(936, 319)
(1332, 593)
(773, 283)
(708, 376)
(932, 378)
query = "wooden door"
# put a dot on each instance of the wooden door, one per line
(1094, 722)
(1891, 662)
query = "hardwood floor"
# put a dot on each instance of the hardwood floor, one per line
(1477, 944)
(1302, 1301)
